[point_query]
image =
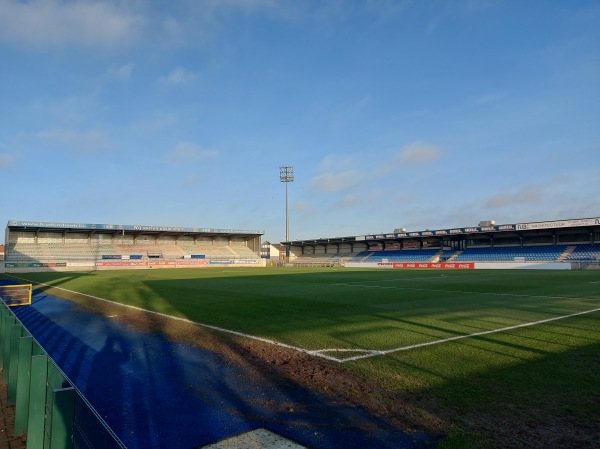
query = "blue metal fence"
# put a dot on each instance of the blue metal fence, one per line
(49, 409)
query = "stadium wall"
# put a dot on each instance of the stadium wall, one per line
(464, 266)
(28, 267)
(522, 266)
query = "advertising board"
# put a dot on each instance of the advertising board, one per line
(436, 265)
(122, 263)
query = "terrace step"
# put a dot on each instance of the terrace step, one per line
(454, 256)
(566, 253)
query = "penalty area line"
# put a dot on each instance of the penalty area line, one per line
(466, 292)
(460, 337)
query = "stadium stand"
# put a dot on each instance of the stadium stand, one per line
(50, 245)
(533, 253)
(38, 244)
(511, 253)
(583, 253)
(564, 243)
(54, 252)
(409, 255)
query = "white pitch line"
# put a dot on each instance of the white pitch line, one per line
(364, 286)
(318, 351)
(438, 290)
(438, 277)
(459, 337)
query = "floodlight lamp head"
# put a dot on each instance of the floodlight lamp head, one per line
(286, 173)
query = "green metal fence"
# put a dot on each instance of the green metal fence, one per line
(48, 408)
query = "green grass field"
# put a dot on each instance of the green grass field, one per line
(506, 358)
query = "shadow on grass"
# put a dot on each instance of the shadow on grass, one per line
(550, 400)
(155, 392)
(547, 399)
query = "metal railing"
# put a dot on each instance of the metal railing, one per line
(49, 409)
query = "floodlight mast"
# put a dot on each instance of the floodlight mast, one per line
(286, 174)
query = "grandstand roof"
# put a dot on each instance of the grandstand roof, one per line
(591, 224)
(37, 226)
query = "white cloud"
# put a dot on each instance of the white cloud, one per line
(154, 122)
(200, 22)
(336, 182)
(349, 200)
(7, 160)
(365, 200)
(527, 195)
(449, 11)
(43, 23)
(173, 31)
(335, 162)
(179, 76)
(339, 173)
(81, 142)
(72, 110)
(121, 73)
(184, 152)
(282, 8)
(418, 153)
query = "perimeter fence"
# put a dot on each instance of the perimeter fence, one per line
(49, 409)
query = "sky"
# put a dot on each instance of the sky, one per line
(422, 114)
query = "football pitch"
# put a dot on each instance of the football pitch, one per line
(505, 358)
